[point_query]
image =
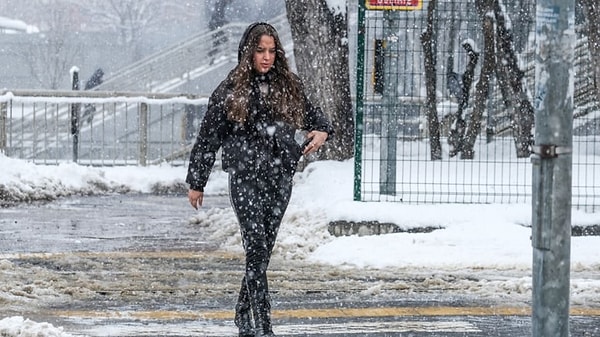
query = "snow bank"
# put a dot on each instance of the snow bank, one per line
(19, 327)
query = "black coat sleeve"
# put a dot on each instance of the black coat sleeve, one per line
(315, 119)
(210, 138)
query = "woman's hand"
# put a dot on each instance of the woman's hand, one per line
(195, 198)
(318, 139)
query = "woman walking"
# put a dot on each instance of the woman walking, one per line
(253, 116)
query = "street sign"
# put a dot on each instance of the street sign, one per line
(402, 5)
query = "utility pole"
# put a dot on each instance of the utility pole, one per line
(552, 167)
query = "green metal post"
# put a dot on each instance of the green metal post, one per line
(360, 68)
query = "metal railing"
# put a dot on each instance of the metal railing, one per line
(188, 60)
(98, 127)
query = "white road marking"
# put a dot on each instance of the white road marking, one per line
(209, 329)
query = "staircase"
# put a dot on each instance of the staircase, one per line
(196, 65)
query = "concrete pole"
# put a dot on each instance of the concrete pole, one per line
(389, 119)
(552, 167)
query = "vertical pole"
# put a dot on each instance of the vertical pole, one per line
(389, 120)
(75, 107)
(3, 136)
(143, 134)
(360, 77)
(552, 167)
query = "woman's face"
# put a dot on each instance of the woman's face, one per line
(264, 55)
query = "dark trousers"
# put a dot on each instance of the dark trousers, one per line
(259, 200)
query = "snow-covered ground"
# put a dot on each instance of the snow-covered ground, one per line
(483, 237)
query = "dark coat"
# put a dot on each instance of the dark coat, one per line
(95, 80)
(260, 143)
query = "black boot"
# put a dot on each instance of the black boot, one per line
(243, 320)
(262, 333)
(243, 313)
(262, 316)
(264, 329)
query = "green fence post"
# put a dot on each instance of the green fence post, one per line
(360, 68)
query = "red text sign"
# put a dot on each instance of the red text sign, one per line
(394, 4)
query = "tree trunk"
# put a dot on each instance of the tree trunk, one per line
(483, 85)
(523, 114)
(457, 132)
(321, 53)
(217, 17)
(430, 84)
(523, 17)
(592, 13)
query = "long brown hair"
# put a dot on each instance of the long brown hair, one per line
(286, 97)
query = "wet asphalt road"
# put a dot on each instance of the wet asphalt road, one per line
(102, 223)
(132, 265)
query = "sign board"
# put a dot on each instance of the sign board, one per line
(402, 5)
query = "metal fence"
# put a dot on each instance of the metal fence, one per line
(393, 144)
(98, 127)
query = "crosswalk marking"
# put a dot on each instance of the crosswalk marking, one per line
(208, 329)
(322, 313)
(175, 254)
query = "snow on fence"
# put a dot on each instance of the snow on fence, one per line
(98, 127)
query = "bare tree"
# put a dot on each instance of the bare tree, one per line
(20, 10)
(49, 60)
(592, 15)
(483, 85)
(427, 40)
(500, 59)
(459, 126)
(522, 18)
(130, 18)
(218, 18)
(523, 115)
(321, 54)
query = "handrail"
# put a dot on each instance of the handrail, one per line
(184, 61)
(5, 94)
